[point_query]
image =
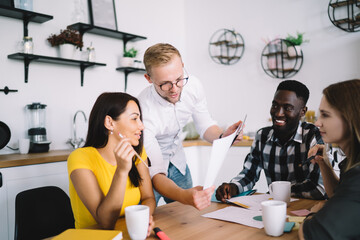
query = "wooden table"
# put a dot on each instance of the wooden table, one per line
(180, 221)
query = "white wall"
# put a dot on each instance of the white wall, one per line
(330, 56)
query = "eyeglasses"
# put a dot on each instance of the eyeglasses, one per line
(167, 86)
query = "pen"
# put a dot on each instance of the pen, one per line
(239, 129)
(160, 234)
(318, 153)
(136, 153)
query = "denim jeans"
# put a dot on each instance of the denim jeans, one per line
(183, 181)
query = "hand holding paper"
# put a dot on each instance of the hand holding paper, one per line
(219, 150)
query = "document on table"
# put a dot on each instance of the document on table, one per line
(237, 215)
(252, 202)
(219, 150)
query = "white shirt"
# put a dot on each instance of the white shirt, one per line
(164, 122)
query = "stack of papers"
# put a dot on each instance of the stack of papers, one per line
(237, 215)
(252, 202)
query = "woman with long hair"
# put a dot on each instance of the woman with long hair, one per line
(339, 123)
(105, 176)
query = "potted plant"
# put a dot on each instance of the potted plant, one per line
(293, 44)
(128, 57)
(67, 41)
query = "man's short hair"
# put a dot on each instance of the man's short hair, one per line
(159, 54)
(300, 89)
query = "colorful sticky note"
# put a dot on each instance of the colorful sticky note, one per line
(301, 212)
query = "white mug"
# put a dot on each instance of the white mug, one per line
(137, 221)
(274, 216)
(24, 145)
(280, 190)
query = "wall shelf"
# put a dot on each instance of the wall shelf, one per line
(27, 58)
(277, 62)
(127, 71)
(26, 16)
(126, 37)
(345, 14)
(226, 47)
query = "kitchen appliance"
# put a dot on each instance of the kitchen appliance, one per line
(37, 131)
(5, 135)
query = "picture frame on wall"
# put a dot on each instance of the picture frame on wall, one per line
(103, 14)
(7, 3)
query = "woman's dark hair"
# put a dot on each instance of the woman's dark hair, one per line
(111, 104)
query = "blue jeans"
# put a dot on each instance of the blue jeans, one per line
(183, 181)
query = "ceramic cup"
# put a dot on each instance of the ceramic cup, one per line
(137, 221)
(280, 190)
(24, 145)
(274, 216)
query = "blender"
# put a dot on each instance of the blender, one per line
(37, 130)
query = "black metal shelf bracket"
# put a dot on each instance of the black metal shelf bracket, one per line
(6, 90)
(26, 16)
(82, 69)
(127, 71)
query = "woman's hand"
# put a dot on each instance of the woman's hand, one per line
(317, 207)
(319, 153)
(151, 225)
(124, 153)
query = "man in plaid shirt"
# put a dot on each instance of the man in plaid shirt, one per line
(281, 150)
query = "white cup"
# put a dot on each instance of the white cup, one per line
(137, 221)
(24, 145)
(280, 190)
(274, 216)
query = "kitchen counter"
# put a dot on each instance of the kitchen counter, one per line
(15, 160)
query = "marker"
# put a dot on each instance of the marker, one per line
(160, 234)
(136, 153)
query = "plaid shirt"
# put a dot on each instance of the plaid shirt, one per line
(284, 162)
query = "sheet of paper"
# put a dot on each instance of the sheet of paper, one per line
(219, 150)
(237, 215)
(252, 202)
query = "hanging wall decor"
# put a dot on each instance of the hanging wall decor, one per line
(226, 47)
(345, 14)
(281, 59)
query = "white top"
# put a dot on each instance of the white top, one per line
(164, 122)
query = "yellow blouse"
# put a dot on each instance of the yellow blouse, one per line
(90, 158)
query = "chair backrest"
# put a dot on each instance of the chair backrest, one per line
(42, 212)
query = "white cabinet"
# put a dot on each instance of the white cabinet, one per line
(17, 179)
(199, 156)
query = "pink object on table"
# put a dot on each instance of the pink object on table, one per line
(301, 212)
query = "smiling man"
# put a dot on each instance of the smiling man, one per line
(168, 104)
(281, 150)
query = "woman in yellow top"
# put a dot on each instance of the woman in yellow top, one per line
(105, 176)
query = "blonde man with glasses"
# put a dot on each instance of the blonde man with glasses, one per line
(168, 104)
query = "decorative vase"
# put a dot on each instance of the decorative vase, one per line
(127, 62)
(66, 51)
(294, 51)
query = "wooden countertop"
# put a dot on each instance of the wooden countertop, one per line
(15, 160)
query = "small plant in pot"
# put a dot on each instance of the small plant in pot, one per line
(128, 57)
(67, 38)
(293, 44)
